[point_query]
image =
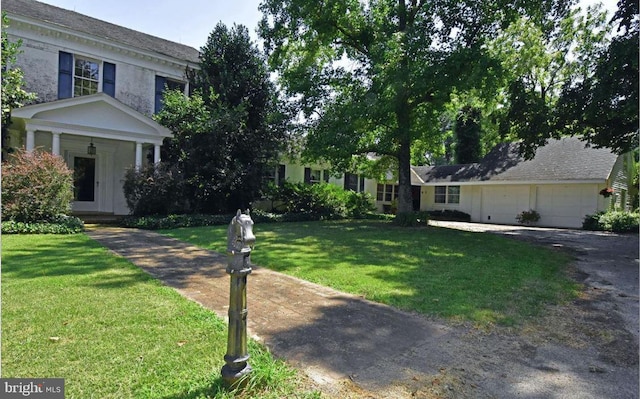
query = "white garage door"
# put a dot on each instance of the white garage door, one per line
(501, 204)
(566, 205)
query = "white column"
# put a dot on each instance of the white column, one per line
(31, 140)
(55, 143)
(156, 153)
(138, 155)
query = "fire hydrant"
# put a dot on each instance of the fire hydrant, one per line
(240, 242)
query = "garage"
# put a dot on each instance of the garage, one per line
(566, 205)
(501, 204)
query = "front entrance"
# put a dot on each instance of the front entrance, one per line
(85, 183)
(84, 179)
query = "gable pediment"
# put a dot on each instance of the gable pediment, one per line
(98, 113)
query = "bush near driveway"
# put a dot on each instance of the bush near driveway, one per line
(614, 221)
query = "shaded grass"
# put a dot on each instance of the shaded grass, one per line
(479, 277)
(72, 310)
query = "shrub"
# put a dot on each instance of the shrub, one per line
(412, 219)
(528, 217)
(615, 221)
(450, 215)
(156, 189)
(320, 201)
(37, 186)
(60, 224)
(359, 204)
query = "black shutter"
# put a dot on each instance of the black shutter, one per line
(280, 177)
(65, 75)
(325, 175)
(346, 181)
(160, 82)
(307, 175)
(109, 79)
(361, 184)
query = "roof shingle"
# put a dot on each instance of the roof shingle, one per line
(98, 28)
(559, 160)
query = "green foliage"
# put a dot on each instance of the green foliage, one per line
(528, 217)
(321, 201)
(155, 189)
(412, 219)
(615, 221)
(449, 214)
(37, 186)
(13, 95)
(537, 60)
(230, 129)
(603, 104)
(468, 135)
(60, 224)
(405, 60)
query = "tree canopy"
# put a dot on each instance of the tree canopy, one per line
(13, 94)
(229, 130)
(603, 105)
(374, 77)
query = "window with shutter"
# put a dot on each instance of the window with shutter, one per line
(65, 75)
(109, 79)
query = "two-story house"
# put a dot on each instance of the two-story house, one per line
(97, 86)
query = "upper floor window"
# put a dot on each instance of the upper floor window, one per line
(447, 195)
(162, 84)
(86, 77)
(353, 182)
(81, 76)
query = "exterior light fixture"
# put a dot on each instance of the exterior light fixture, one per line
(91, 149)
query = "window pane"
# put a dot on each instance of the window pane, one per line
(86, 77)
(453, 194)
(380, 192)
(440, 194)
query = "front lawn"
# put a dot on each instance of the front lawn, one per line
(479, 277)
(72, 310)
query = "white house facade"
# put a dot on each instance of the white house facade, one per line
(97, 86)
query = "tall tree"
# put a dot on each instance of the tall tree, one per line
(468, 132)
(538, 59)
(373, 76)
(603, 105)
(230, 130)
(13, 94)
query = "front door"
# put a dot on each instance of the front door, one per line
(85, 183)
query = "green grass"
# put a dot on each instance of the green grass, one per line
(70, 309)
(483, 278)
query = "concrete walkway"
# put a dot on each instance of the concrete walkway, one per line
(337, 338)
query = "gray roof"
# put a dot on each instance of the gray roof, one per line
(559, 160)
(101, 29)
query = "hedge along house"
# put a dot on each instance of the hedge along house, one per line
(97, 86)
(563, 183)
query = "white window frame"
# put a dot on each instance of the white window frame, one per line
(75, 77)
(450, 196)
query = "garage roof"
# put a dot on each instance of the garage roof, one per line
(567, 159)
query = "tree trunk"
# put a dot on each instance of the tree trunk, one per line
(405, 201)
(403, 115)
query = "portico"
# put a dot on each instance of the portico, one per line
(120, 137)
